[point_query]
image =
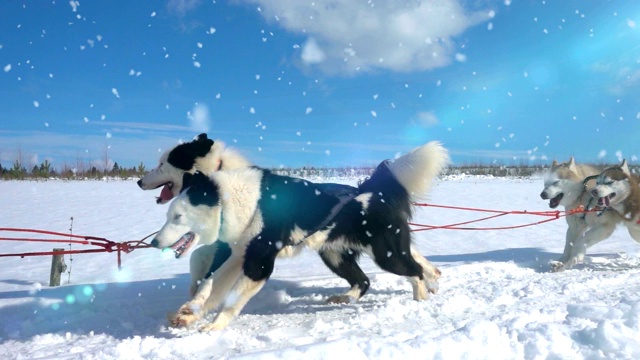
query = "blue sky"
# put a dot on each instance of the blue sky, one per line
(320, 83)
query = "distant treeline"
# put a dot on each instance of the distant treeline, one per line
(84, 172)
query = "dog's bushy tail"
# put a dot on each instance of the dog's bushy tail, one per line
(417, 169)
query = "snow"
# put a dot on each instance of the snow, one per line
(497, 299)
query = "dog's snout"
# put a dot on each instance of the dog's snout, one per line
(140, 183)
(154, 243)
(543, 195)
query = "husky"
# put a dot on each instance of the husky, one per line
(616, 188)
(257, 213)
(568, 184)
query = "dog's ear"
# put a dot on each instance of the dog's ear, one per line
(572, 164)
(624, 167)
(203, 190)
(202, 145)
(187, 181)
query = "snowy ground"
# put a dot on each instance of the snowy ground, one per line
(497, 299)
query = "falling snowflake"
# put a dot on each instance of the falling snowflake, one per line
(114, 91)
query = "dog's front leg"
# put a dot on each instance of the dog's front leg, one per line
(208, 293)
(594, 235)
(575, 230)
(192, 310)
(244, 289)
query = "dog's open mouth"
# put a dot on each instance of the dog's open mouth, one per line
(166, 193)
(183, 244)
(553, 203)
(605, 201)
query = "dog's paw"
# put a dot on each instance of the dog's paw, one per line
(184, 317)
(432, 286)
(341, 299)
(557, 266)
(221, 321)
(212, 327)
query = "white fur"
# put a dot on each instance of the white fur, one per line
(417, 169)
(182, 217)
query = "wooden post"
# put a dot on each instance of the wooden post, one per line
(57, 268)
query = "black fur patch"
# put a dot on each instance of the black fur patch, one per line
(202, 190)
(184, 155)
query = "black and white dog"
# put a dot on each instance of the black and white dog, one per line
(258, 213)
(207, 156)
(204, 155)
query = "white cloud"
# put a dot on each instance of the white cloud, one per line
(199, 120)
(355, 35)
(427, 119)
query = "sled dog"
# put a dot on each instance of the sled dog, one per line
(617, 189)
(564, 184)
(201, 154)
(257, 213)
(207, 156)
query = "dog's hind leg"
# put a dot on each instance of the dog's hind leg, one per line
(430, 272)
(345, 264)
(392, 251)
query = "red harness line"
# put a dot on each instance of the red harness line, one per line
(104, 245)
(551, 214)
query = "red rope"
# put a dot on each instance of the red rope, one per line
(104, 244)
(128, 246)
(552, 214)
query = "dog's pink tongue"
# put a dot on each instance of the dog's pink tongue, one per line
(166, 194)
